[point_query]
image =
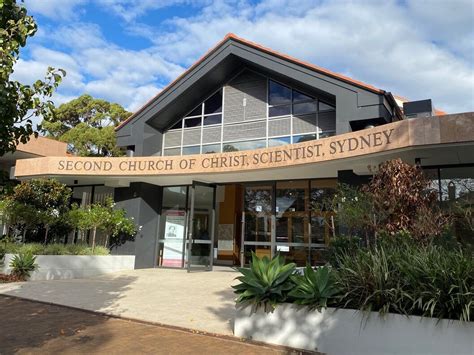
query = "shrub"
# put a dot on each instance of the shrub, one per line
(408, 279)
(22, 265)
(266, 282)
(341, 245)
(55, 249)
(314, 288)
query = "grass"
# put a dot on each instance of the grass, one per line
(54, 249)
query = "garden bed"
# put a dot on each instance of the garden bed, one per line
(4, 278)
(345, 331)
(53, 267)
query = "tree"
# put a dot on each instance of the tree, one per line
(104, 217)
(40, 201)
(19, 103)
(87, 124)
(403, 201)
(117, 226)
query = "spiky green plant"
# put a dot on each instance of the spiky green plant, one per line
(266, 282)
(22, 265)
(428, 281)
(314, 288)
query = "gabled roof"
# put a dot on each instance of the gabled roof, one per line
(232, 37)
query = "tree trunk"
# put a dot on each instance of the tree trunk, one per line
(106, 240)
(46, 234)
(94, 232)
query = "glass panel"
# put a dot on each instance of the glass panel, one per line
(278, 94)
(196, 112)
(172, 151)
(457, 195)
(201, 227)
(258, 213)
(279, 110)
(322, 221)
(325, 107)
(172, 223)
(211, 148)
(214, 103)
(326, 134)
(291, 196)
(275, 142)
(304, 138)
(178, 125)
(213, 119)
(248, 145)
(292, 220)
(299, 97)
(294, 254)
(192, 122)
(260, 250)
(304, 108)
(191, 150)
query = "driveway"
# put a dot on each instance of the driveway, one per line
(198, 300)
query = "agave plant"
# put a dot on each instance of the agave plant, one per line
(314, 288)
(266, 282)
(22, 265)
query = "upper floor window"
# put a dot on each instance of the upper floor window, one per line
(207, 113)
(283, 101)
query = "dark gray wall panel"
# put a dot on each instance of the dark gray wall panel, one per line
(142, 202)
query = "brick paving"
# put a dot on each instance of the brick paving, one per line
(30, 327)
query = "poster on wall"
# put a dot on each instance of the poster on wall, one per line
(225, 239)
(173, 238)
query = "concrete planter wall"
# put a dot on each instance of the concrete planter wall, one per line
(346, 331)
(52, 267)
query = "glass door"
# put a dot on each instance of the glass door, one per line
(200, 231)
(258, 222)
(292, 223)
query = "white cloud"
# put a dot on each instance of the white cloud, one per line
(104, 70)
(129, 10)
(399, 48)
(56, 9)
(411, 48)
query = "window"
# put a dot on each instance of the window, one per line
(293, 116)
(278, 94)
(177, 125)
(196, 112)
(192, 122)
(279, 110)
(213, 104)
(211, 148)
(275, 142)
(248, 145)
(304, 138)
(213, 119)
(191, 150)
(325, 107)
(304, 108)
(279, 99)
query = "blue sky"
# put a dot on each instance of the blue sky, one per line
(126, 51)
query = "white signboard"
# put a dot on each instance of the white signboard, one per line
(174, 235)
(283, 248)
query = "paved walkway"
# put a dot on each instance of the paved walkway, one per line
(197, 300)
(35, 328)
